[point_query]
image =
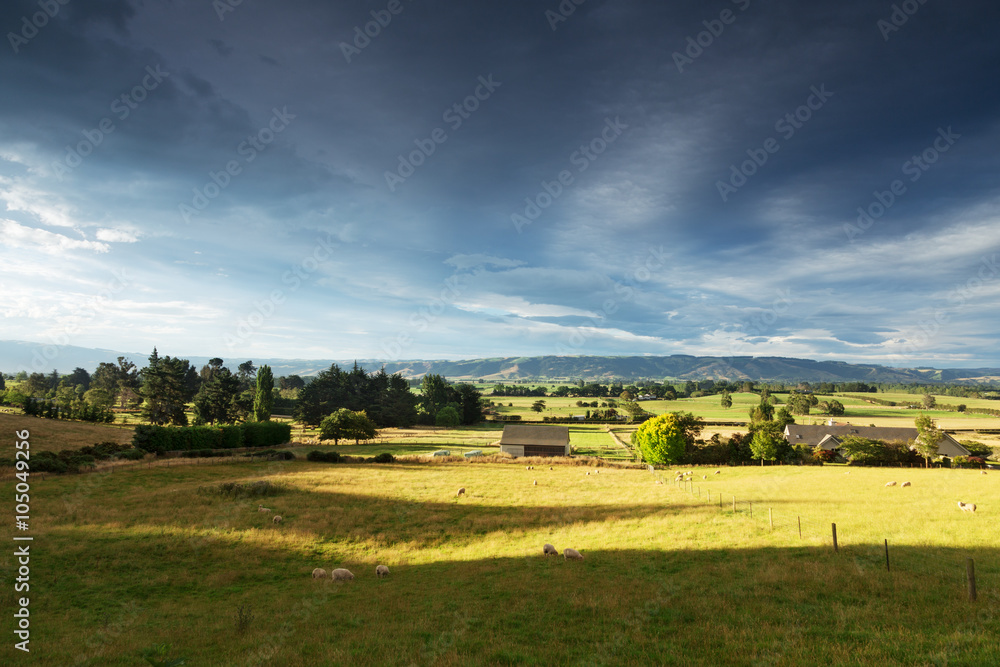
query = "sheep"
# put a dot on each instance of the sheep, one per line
(572, 554)
(461, 492)
(904, 484)
(982, 472)
(588, 474)
(381, 571)
(658, 481)
(534, 482)
(890, 484)
(261, 508)
(704, 476)
(277, 519)
(966, 507)
(319, 573)
(717, 472)
(340, 574)
(549, 550)
(550, 468)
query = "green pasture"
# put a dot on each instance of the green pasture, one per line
(121, 562)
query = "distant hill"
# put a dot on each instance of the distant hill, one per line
(18, 355)
(686, 368)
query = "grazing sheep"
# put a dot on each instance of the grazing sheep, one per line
(319, 573)
(982, 472)
(848, 472)
(534, 482)
(659, 481)
(890, 484)
(966, 507)
(588, 474)
(277, 519)
(461, 492)
(717, 472)
(527, 467)
(904, 484)
(340, 574)
(704, 476)
(550, 468)
(261, 508)
(549, 550)
(572, 554)
(381, 571)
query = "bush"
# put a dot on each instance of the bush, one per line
(384, 457)
(133, 454)
(259, 489)
(825, 455)
(273, 455)
(324, 457)
(48, 462)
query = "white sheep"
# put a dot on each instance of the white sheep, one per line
(461, 492)
(261, 508)
(588, 474)
(319, 573)
(717, 472)
(277, 519)
(534, 482)
(890, 484)
(598, 471)
(904, 484)
(982, 472)
(550, 468)
(549, 550)
(381, 571)
(966, 507)
(704, 476)
(659, 481)
(340, 574)
(572, 554)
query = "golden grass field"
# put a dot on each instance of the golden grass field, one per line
(127, 560)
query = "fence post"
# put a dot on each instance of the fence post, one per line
(800, 526)
(887, 555)
(970, 574)
(750, 505)
(835, 537)
(770, 518)
(734, 504)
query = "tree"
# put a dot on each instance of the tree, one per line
(291, 383)
(767, 439)
(799, 404)
(782, 417)
(346, 423)
(434, 390)
(727, 400)
(165, 389)
(928, 438)
(447, 416)
(79, 376)
(216, 399)
(471, 402)
(263, 400)
(666, 438)
(928, 401)
(538, 406)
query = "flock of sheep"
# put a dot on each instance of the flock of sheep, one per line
(342, 574)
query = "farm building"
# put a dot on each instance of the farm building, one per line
(828, 437)
(532, 440)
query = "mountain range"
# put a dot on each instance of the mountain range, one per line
(34, 357)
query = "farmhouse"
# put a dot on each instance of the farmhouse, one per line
(828, 437)
(532, 440)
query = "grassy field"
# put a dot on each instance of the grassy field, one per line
(121, 562)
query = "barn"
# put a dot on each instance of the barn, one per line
(535, 440)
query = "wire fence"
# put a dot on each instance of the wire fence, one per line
(975, 571)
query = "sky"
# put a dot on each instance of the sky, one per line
(410, 179)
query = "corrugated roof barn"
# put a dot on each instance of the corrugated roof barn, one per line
(829, 437)
(534, 440)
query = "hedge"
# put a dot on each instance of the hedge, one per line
(159, 439)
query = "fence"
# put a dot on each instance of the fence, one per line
(960, 574)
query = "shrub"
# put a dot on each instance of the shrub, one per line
(273, 455)
(324, 457)
(258, 489)
(825, 455)
(133, 454)
(384, 457)
(48, 462)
